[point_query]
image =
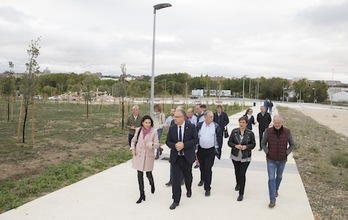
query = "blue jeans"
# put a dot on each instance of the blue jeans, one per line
(159, 134)
(275, 174)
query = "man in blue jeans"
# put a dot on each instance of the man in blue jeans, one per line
(277, 143)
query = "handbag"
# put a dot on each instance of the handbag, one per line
(226, 135)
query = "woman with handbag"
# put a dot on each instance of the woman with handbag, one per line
(241, 141)
(143, 146)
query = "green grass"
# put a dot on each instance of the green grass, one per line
(339, 159)
(14, 193)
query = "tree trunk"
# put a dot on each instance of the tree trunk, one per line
(19, 121)
(87, 107)
(8, 108)
(122, 123)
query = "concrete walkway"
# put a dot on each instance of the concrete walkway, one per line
(111, 194)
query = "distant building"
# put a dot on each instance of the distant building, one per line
(340, 97)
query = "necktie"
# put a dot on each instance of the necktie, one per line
(180, 134)
(180, 139)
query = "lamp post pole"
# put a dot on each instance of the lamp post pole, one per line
(155, 8)
(331, 92)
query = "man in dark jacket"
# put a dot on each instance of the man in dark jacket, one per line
(222, 120)
(277, 143)
(182, 140)
(264, 119)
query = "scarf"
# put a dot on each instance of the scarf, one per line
(145, 131)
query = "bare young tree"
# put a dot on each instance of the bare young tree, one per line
(29, 80)
(123, 90)
(87, 89)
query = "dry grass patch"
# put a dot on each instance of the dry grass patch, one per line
(321, 156)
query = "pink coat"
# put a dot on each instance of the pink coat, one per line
(145, 150)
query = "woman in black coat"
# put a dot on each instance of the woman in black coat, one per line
(241, 141)
(251, 119)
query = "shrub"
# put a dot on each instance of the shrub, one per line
(339, 160)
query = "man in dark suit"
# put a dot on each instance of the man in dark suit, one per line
(221, 118)
(182, 139)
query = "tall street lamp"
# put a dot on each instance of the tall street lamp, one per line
(155, 8)
(331, 92)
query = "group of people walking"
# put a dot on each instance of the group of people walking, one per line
(197, 136)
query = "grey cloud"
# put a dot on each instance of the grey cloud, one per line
(326, 15)
(10, 14)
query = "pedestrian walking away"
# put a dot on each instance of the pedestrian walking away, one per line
(277, 144)
(182, 139)
(241, 141)
(143, 147)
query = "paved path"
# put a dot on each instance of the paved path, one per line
(111, 194)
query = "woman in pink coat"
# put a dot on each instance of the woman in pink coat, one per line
(143, 146)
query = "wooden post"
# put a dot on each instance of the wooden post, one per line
(11, 107)
(20, 121)
(119, 111)
(32, 112)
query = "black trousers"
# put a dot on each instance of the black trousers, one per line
(240, 169)
(130, 137)
(181, 166)
(261, 135)
(206, 159)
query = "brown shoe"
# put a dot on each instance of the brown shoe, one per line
(271, 204)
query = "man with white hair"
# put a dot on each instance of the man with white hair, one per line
(277, 143)
(133, 121)
(209, 133)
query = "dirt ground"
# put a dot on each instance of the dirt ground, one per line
(335, 119)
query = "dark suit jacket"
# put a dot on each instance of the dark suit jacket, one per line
(223, 120)
(218, 132)
(190, 142)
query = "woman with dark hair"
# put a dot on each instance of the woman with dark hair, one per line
(242, 141)
(251, 119)
(143, 146)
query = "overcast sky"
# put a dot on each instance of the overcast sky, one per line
(270, 38)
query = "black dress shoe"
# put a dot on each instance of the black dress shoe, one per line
(207, 193)
(260, 149)
(240, 198)
(201, 183)
(173, 205)
(237, 188)
(189, 194)
(169, 183)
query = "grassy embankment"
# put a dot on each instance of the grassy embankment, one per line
(322, 159)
